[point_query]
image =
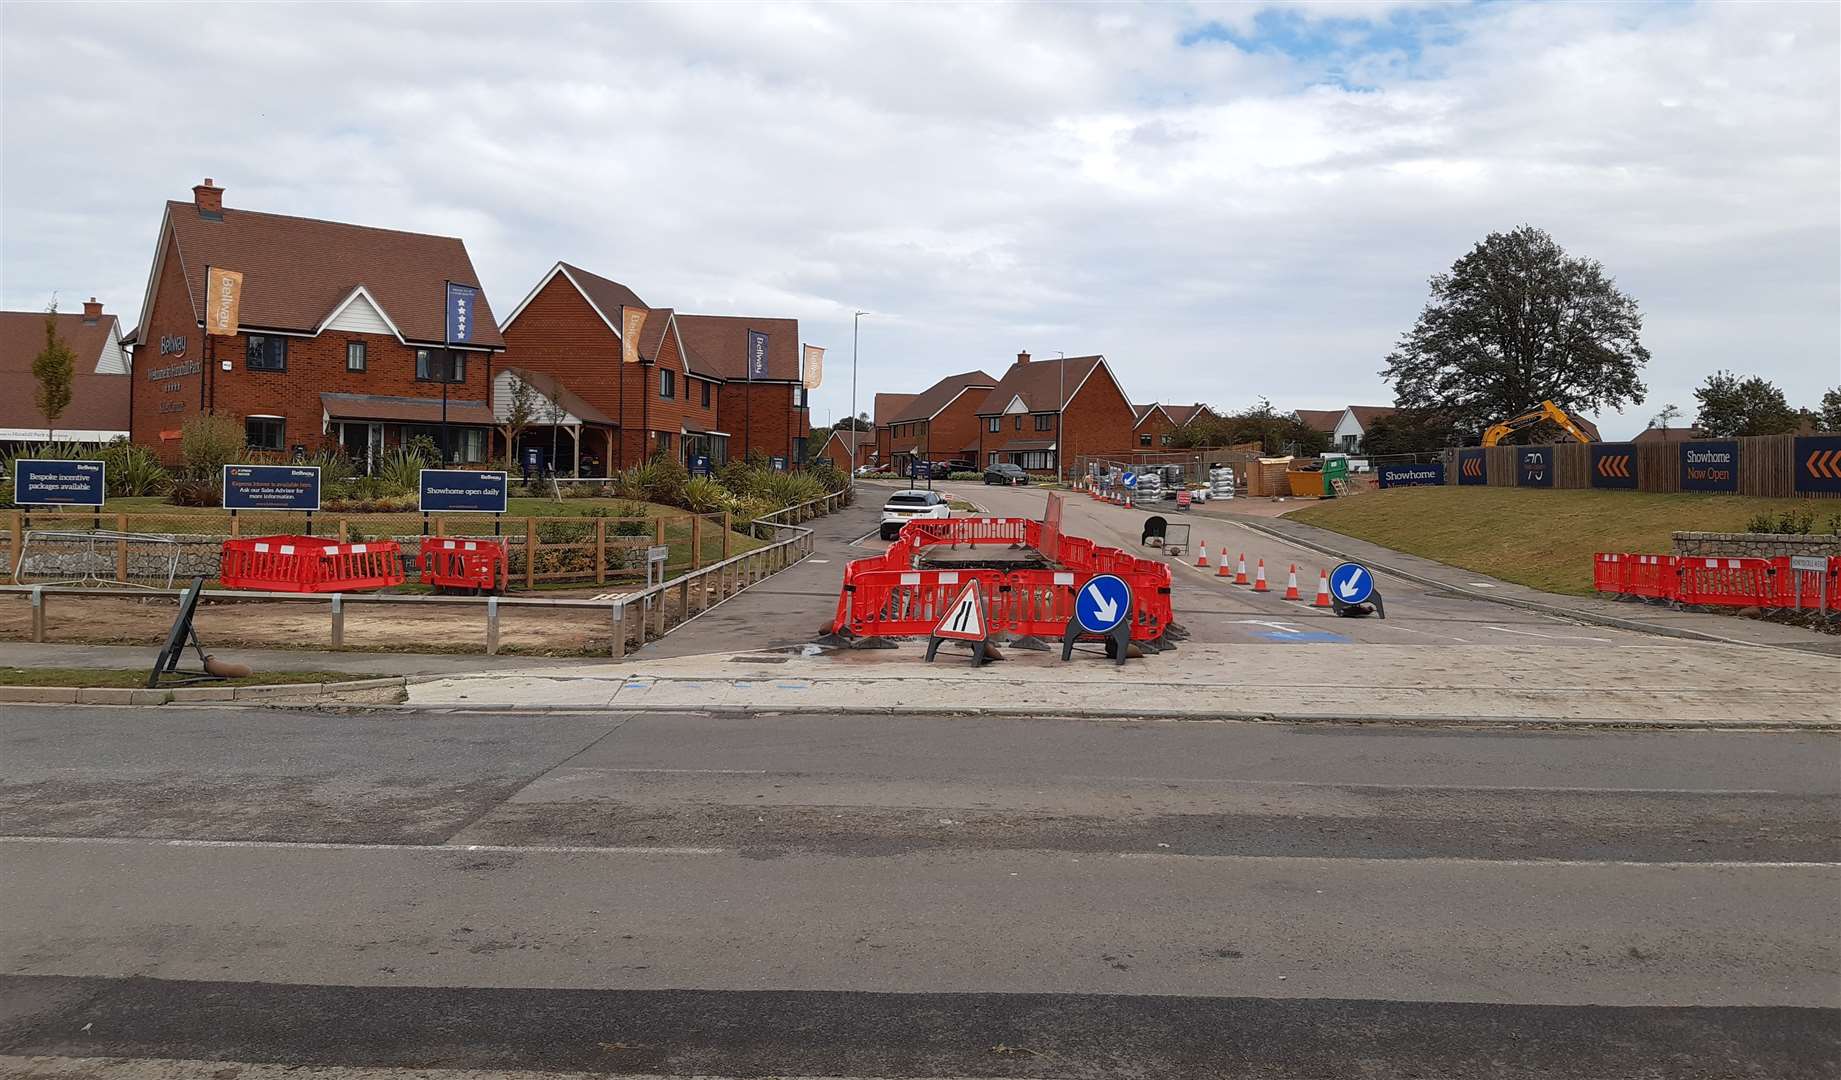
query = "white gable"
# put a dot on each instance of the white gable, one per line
(1016, 406)
(503, 385)
(360, 316)
(1347, 426)
(114, 358)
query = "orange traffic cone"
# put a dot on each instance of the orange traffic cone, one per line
(1323, 590)
(1291, 584)
(1240, 575)
(1202, 560)
(1259, 583)
(1227, 569)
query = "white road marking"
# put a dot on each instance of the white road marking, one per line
(1480, 584)
(306, 845)
(1551, 637)
(1560, 789)
(1711, 864)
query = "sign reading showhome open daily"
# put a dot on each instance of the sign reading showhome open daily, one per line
(481, 492)
(58, 483)
(272, 487)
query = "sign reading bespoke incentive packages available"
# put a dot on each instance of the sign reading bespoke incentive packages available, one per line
(481, 492)
(272, 487)
(1411, 475)
(1710, 466)
(1534, 466)
(58, 483)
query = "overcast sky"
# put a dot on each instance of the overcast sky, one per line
(1228, 201)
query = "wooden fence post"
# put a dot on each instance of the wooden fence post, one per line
(530, 553)
(600, 551)
(344, 531)
(725, 534)
(14, 553)
(236, 526)
(696, 541)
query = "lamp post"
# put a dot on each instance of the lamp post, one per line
(1061, 415)
(854, 320)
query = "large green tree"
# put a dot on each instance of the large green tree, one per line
(1274, 431)
(1828, 417)
(54, 368)
(1731, 406)
(1517, 321)
(1410, 431)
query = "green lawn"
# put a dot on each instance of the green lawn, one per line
(1544, 539)
(135, 680)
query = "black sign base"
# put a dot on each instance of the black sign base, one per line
(1118, 640)
(178, 637)
(978, 649)
(1370, 606)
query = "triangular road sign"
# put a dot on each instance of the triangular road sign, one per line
(964, 620)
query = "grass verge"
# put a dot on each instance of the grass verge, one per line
(1543, 539)
(135, 680)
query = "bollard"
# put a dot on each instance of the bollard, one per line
(338, 620)
(616, 616)
(38, 613)
(492, 626)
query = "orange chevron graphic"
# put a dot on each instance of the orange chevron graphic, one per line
(1825, 464)
(1614, 465)
(1473, 467)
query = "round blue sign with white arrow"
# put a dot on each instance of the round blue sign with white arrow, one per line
(1103, 603)
(1130, 479)
(1351, 583)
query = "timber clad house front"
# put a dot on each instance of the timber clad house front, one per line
(938, 424)
(1027, 421)
(339, 337)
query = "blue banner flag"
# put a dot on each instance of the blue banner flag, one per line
(271, 487)
(461, 302)
(757, 355)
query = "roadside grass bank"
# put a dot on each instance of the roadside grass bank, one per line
(1538, 538)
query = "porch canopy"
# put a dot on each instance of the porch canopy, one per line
(553, 405)
(379, 408)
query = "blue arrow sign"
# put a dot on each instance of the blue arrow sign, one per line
(1351, 583)
(1130, 479)
(1103, 603)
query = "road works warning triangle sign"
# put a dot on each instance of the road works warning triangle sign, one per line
(964, 620)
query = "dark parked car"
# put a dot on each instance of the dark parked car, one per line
(1005, 473)
(944, 469)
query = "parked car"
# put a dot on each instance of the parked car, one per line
(944, 469)
(905, 506)
(868, 470)
(1005, 473)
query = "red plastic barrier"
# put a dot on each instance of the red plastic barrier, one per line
(308, 564)
(1726, 582)
(1608, 573)
(1795, 589)
(463, 564)
(1654, 577)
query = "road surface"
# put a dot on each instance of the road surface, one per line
(911, 896)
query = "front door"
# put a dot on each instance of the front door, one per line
(363, 444)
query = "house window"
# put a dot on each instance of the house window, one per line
(993, 460)
(994, 425)
(428, 366)
(354, 356)
(1144, 439)
(664, 442)
(1349, 443)
(706, 394)
(468, 444)
(1045, 421)
(1038, 460)
(264, 432)
(266, 353)
(667, 383)
(1019, 423)
(1167, 440)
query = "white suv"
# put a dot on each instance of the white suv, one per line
(905, 506)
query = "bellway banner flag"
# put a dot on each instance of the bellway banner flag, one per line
(814, 366)
(223, 301)
(757, 355)
(632, 323)
(461, 302)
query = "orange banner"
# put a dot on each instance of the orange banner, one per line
(223, 301)
(632, 322)
(814, 366)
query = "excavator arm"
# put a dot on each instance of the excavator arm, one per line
(1547, 411)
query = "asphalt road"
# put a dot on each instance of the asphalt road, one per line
(911, 896)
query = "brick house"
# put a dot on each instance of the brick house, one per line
(764, 410)
(568, 330)
(837, 449)
(339, 337)
(1158, 423)
(1021, 421)
(98, 409)
(938, 424)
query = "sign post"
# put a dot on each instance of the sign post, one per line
(1352, 588)
(964, 621)
(1102, 607)
(272, 487)
(59, 483)
(457, 321)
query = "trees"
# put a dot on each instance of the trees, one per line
(54, 368)
(1275, 432)
(1410, 431)
(1516, 322)
(520, 413)
(1828, 416)
(1731, 406)
(1667, 417)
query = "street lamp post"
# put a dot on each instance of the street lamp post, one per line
(1061, 416)
(854, 320)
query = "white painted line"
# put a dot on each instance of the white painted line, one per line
(1480, 584)
(1552, 637)
(304, 845)
(1561, 789)
(674, 772)
(1711, 864)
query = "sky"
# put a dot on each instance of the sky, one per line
(1230, 202)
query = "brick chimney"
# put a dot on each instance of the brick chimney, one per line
(209, 198)
(1022, 358)
(92, 311)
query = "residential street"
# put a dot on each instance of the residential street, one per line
(678, 894)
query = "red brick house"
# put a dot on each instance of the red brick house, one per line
(837, 449)
(1021, 421)
(938, 424)
(1158, 423)
(339, 338)
(568, 330)
(765, 410)
(98, 409)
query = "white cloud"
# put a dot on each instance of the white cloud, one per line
(1226, 220)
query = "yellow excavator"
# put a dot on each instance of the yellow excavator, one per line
(1547, 411)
